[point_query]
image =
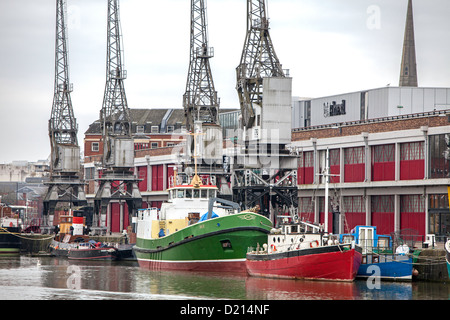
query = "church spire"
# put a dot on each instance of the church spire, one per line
(408, 72)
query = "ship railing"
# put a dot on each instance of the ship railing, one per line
(62, 245)
(382, 257)
(283, 247)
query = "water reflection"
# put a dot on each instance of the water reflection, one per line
(30, 278)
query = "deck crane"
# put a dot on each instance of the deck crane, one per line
(118, 181)
(266, 174)
(65, 186)
(200, 101)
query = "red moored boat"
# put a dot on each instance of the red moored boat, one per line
(303, 251)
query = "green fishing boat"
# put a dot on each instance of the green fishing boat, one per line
(196, 231)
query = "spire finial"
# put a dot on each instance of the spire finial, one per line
(408, 72)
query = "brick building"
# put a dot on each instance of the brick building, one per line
(391, 172)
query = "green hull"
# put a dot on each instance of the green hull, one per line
(9, 252)
(218, 244)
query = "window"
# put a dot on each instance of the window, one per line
(140, 129)
(411, 151)
(154, 145)
(354, 155)
(95, 147)
(154, 129)
(226, 244)
(439, 217)
(170, 129)
(383, 153)
(354, 204)
(306, 169)
(354, 164)
(307, 111)
(306, 209)
(354, 210)
(382, 203)
(439, 156)
(412, 160)
(89, 173)
(383, 162)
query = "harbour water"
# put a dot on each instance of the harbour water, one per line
(48, 278)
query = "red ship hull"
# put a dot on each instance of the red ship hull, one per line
(322, 263)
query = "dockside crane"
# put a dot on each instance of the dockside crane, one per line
(200, 100)
(117, 181)
(264, 172)
(65, 185)
(258, 61)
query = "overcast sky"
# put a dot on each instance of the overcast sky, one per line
(329, 46)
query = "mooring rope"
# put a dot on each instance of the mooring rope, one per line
(22, 237)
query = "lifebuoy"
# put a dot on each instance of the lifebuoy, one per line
(314, 244)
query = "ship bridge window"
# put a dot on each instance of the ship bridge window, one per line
(180, 193)
(383, 242)
(188, 194)
(204, 194)
(347, 238)
(196, 193)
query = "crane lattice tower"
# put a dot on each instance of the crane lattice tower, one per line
(118, 182)
(200, 101)
(265, 174)
(65, 185)
(258, 60)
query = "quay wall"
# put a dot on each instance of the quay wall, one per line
(432, 266)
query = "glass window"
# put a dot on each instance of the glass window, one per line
(439, 156)
(411, 151)
(95, 146)
(204, 194)
(180, 193)
(196, 193)
(383, 153)
(188, 194)
(354, 155)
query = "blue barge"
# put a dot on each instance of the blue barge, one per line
(378, 257)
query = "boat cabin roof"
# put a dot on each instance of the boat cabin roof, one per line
(190, 186)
